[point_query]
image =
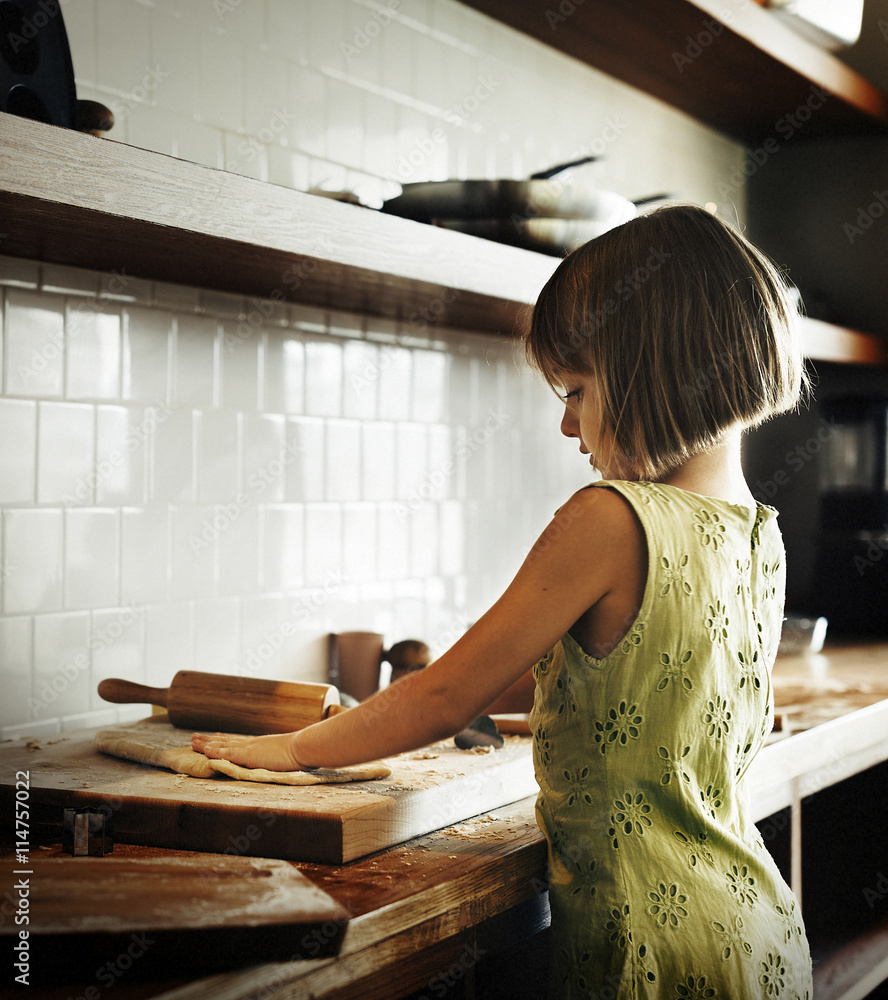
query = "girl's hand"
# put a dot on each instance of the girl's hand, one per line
(275, 752)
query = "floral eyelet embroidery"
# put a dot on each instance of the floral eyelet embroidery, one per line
(674, 670)
(695, 988)
(543, 745)
(674, 765)
(586, 880)
(575, 976)
(644, 972)
(742, 885)
(709, 528)
(633, 638)
(566, 694)
(749, 671)
(630, 815)
(732, 938)
(717, 622)
(541, 667)
(769, 573)
(577, 788)
(742, 757)
(674, 576)
(618, 927)
(559, 840)
(717, 717)
(790, 921)
(648, 492)
(621, 725)
(694, 851)
(667, 904)
(711, 797)
(773, 973)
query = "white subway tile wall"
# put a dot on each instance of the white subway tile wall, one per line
(193, 480)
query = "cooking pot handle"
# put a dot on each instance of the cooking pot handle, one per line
(544, 175)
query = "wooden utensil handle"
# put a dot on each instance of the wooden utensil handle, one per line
(128, 693)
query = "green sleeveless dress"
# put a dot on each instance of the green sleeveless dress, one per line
(659, 883)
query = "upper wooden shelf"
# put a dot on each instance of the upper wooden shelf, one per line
(70, 198)
(732, 65)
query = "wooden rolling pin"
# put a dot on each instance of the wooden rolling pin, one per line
(223, 703)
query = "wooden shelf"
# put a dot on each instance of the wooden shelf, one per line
(70, 198)
(746, 74)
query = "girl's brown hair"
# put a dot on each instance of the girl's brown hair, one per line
(686, 327)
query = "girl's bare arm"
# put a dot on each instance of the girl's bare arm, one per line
(571, 566)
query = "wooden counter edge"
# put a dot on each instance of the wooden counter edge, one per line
(475, 871)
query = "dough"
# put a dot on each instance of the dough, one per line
(159, 749)
(145, 745)
(320, 776)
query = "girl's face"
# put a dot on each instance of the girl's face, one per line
(583, 420)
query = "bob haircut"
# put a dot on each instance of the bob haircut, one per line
(687, 329)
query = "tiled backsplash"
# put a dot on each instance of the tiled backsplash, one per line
(184, 489)
(192, 480)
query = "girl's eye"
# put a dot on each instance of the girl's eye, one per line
(574, 394)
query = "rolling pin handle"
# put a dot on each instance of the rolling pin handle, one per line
(129, 693)
(335, 710)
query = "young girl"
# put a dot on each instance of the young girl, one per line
(646, 617)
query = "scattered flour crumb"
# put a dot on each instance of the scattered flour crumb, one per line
(477, 827)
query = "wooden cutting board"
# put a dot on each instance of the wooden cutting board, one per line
(114, 915)
(427, 790)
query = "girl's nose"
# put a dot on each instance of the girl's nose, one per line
(569, 424)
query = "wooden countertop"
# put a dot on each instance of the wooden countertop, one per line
(417, 908)
(422, 900)
(813, 688)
